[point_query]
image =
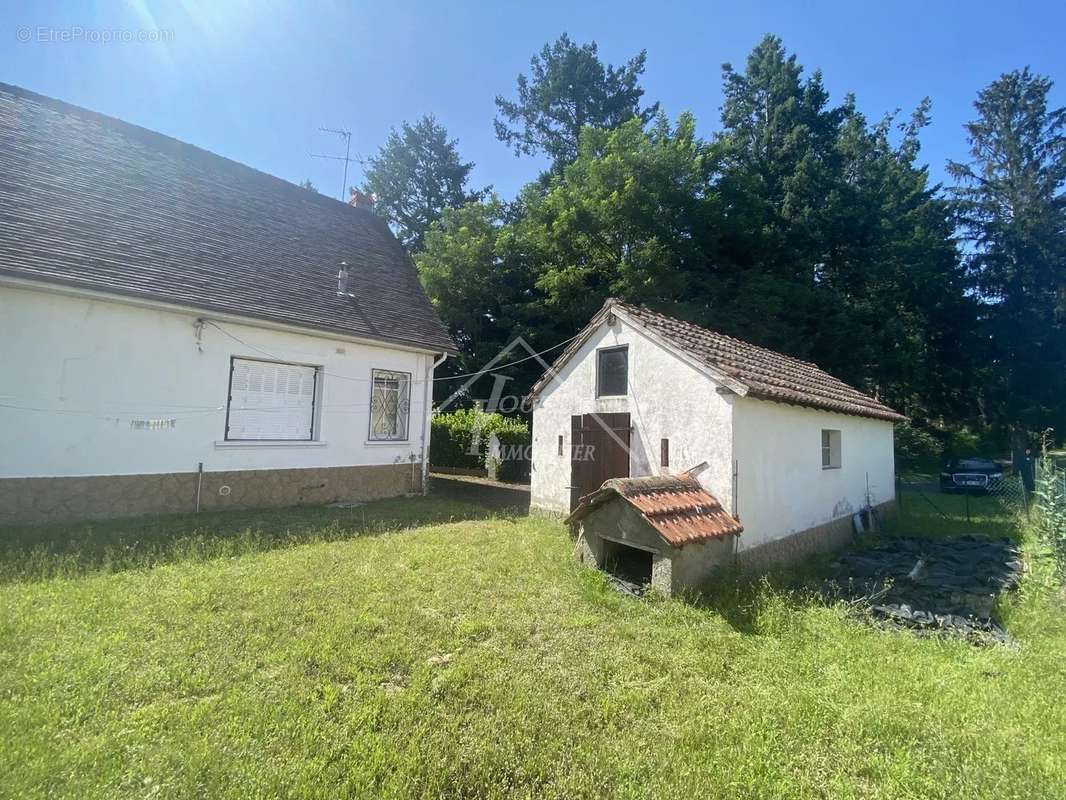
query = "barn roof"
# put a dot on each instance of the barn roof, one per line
(751, 370)
(676, 506)
(90, 201)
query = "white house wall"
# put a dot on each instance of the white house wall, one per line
(667, 398)
(782, 488)
(81, 377)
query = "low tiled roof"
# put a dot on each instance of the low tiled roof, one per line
(676, 506)
(90, 201)
(762, 373)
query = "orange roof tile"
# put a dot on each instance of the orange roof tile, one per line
(676, 506)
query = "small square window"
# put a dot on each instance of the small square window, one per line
(664, 452)
(830, 449)
(612, 372)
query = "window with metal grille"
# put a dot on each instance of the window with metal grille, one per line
(270, 401)
(390, 405)
(830, 449)
(612, 372)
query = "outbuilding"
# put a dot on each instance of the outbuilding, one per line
(788, 451)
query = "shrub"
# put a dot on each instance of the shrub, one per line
(917, 449)
(515, 445)
(461, 438)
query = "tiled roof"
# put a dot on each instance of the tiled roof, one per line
(676, 506)
(761, 373)
(90, 201)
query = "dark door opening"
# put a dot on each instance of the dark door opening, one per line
(599, 450)
(627, 563)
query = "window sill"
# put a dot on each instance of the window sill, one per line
(237, 443)
(386, 442)
(836, 467)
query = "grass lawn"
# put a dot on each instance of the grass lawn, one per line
(418, 648)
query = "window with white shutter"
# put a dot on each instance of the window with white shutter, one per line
(269, 401)
(390, 404)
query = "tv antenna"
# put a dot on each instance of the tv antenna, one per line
(346, 158)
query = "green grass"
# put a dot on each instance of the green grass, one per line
(330, 653)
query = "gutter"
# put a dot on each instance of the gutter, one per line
(427, 399)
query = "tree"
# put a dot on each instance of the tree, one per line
(1012, 210)
(634, 216)
(415, 176)
(568, 89)
(479, 285)
(306, 184)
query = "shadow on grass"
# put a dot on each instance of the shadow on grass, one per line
(74, 549)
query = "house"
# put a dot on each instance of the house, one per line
(786, 449)
(183, 332)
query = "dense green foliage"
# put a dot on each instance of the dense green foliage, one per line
(1013, 210)
(917, 449)
(461, 438)
(415, 176)
(801, 225)
(314, 653)
(569, 89)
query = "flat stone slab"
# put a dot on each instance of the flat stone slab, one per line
(942, 587)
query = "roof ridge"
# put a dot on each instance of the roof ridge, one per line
(713, 332)
(154, 139)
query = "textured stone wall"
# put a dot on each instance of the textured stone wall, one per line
(30, 500)
(790, 549)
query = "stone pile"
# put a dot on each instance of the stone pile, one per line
(941, 587)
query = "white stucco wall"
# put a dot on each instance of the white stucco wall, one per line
(667, 398)
(80, 369)
(781, 486)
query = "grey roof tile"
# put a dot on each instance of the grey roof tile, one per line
(91, 201)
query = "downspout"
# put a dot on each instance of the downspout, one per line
(427, 399)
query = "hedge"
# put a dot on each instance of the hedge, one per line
(461, 438)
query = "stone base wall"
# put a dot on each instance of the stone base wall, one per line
(31, 500)
(791, 549)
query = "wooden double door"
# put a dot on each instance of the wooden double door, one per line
(599, 450)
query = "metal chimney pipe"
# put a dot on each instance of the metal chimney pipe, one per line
(342, 280)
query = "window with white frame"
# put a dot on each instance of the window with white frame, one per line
(390, 405)
(270, 401)
(830, 449)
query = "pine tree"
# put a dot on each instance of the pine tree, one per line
(415, 176)
(1013, 211)
(568, 89)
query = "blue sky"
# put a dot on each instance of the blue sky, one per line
(254, 80)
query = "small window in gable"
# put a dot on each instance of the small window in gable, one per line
(612, 372)
(664, 452)
(830, 449)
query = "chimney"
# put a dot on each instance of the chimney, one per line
(342, 280)
(360, 200)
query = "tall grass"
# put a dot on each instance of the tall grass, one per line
(1050, 521)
